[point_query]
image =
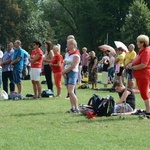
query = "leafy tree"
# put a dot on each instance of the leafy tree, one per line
(22, 19)
(32, 25)
(9, 16)
(137, 21)
(88, 20)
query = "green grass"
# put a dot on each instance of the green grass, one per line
(44, 125)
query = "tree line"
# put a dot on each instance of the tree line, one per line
(93, 23)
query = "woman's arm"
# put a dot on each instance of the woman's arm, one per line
(136, 67)
(56, 65)
(116, 60)
(51, 55)
(33, 60)
(139, 67)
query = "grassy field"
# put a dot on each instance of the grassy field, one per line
(44, 125)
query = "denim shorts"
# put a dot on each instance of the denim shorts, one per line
(71, 78)
(17, 74)
(129, 72)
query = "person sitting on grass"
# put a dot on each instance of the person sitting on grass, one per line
(125, 95)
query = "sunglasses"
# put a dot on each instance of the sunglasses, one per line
(141, 42)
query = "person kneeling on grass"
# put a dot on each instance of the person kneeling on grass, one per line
(125, 95)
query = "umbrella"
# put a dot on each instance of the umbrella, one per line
(107, 48)
(122, 45)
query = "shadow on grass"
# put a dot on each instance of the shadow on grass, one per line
(107, 119)
(30, 114)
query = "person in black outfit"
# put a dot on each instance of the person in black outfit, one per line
(47, 69)
(124, 95)
(93, 69)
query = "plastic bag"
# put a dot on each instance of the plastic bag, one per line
(3, 95)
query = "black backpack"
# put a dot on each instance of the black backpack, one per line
(47, 93)
(95, 101)
(106, 107)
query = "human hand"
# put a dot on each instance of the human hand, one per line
(64, 75)
(63, 72)
(129, 66)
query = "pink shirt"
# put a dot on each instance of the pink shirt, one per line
(84, 59)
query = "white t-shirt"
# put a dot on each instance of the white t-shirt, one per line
(112, 62)
(69, 60)
(1, 54)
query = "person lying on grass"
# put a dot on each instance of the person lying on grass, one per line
(125, 95)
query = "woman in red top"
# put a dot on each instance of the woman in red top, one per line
(141, 71)
(56, 64)
(36, 59)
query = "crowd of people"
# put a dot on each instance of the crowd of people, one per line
(75, 66)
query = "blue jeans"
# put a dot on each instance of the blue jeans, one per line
(129, 72)
(71, 78)
(17, 74)
(111, 72)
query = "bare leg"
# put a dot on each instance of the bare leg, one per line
(39, 90)
(147, 105)
(34, 89)
(130, 84)
(19, 86)
(58, 91)
(73, 98)
(119, 79)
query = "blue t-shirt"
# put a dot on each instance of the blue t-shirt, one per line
(19, 53)
(8, 55)
(26, 58)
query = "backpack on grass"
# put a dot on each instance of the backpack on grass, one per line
(14, 96)
(47, 93)
(94, 101)
(85, 109)
(102, 106)
(106, 107)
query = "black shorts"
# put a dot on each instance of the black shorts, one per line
(84, 69)
(120, 72)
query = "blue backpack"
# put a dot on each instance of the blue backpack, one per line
(14, 96)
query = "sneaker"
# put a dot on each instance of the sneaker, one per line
(70, 111)
(77, 111)
(114, 114)
(139, 112)
(144, 116)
